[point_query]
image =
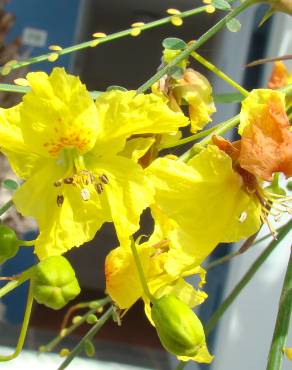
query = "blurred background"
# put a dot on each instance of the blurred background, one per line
(27, 28)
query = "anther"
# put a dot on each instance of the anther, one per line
(104, 179)
(99, 187)
(85, 194)
(68, 180)
(58, 183)
(60, 200)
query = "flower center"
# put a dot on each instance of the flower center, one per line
(79, 177)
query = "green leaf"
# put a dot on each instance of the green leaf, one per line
(116, 87)
(173, 43)
(233, 25)
(224, 98)
(10, 184)
(221, 4)
(176, 72)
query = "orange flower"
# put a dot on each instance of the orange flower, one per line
(266, 142)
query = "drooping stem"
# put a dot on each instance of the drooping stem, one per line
(195, 45)
(140, 271)
(114, 36)
(219, 73)
(23, 328)
(88, 336)
(246, 278)
(275, 358)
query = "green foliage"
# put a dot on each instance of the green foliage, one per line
(10, 184)
(173, 43)
(233, 25)
(221, 4)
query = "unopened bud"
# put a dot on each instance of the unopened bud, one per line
(178, 327)
(54, 282)
(9, 243)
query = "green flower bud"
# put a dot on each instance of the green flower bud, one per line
(9, 243)
(54, 282)
(178, 327)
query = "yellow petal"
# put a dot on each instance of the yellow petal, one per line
(20, 156)
(71, 223)
(122, 278)
(203, 356)
(205, 199)
(58, 113)
(123, 114)
(127, 194)
(136, 148)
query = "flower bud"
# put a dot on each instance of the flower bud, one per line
(54, 282)
(178, 327)
(9, 243)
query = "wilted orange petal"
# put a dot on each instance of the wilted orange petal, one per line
(279, 76)
(266, 144)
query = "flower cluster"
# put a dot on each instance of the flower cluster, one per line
(84, 162)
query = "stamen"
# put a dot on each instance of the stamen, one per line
(85, 194)
(68, 180)
(99, 187)
(104, 179)
(60, 200)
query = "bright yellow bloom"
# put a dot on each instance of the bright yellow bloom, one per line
(124, 287)
(200, 204)
(66, 148)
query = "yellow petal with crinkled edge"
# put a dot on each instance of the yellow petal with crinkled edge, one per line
(124, 113)
(122, 278)
(203, 356)
(206, 200)
(257, 102)
(22, 160)
(195, 90)
(62, 226)
(128, 192)
(58, 113)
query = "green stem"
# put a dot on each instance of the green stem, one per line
(105, 39)
(219, 73)
(88, 336)
(23, 328)
(140, 271)
(51, 345)
(6, 206)
(275, 358)
(219, 130)
(246, 278)
(25, 275)
(195, 45)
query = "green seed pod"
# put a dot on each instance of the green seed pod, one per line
(178, 327)
(89, 348)
(54, 282)
(9, 243)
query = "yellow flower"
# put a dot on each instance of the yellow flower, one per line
(66, 148)
(200, 204)
(124, 287)
(194, 90)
